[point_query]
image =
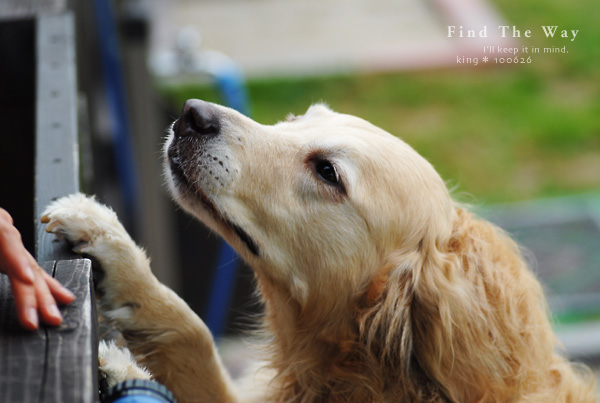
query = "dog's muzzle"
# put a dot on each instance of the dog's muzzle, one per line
(199, 121)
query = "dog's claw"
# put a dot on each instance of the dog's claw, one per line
(50, 228)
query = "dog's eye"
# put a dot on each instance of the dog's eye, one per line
(327, 171)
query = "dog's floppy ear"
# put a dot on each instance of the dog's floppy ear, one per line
(386, 310)
(460, 316)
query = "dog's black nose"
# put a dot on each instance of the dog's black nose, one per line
(198, 118)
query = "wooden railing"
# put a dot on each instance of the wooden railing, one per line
(52, 364)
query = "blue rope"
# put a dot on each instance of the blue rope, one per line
(117, 106)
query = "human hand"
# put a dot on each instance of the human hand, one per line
(35, 291)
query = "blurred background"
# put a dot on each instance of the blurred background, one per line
(519, 142)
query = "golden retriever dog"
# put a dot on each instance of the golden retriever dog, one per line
(377, 286)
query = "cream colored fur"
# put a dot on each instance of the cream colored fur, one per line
(118, 364)
(380, 290)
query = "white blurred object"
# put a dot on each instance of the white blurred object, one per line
(188, 59)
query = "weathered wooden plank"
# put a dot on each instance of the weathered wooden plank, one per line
(72, 358)
(22, 352)
(52, 364)
(57, 155)
(57, 364)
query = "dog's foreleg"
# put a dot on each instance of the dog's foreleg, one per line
(164, 334)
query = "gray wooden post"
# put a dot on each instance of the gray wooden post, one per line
(53, 364)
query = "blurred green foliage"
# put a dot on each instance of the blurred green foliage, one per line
(498, 133)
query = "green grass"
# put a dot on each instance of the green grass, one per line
(499, 134)
(571, 318)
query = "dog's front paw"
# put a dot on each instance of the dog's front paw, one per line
(82, 221)
(118, 365)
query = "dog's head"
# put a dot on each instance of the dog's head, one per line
(316, 198)
(356, 231)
